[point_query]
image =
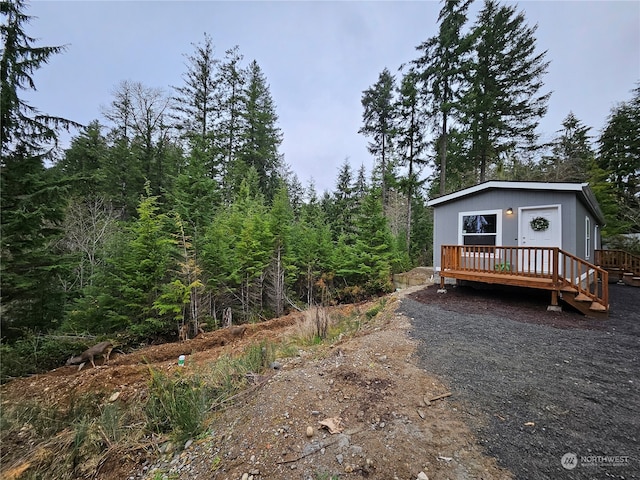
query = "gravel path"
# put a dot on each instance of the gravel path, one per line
(538, 385)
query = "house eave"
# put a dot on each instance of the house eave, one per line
(581, 188)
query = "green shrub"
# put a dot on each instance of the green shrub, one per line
(176, 405)
(373, 311)
(37, 354)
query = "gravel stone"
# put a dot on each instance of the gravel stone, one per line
(509, 362)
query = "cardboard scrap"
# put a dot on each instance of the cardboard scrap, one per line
(333, 424)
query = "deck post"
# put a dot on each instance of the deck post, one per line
(554, 298)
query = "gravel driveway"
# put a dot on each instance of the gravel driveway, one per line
(538, 385)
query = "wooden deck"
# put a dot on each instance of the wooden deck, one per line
(622, 266)
(579, 283)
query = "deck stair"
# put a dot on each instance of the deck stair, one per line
(571, 279)
(622, 266)
(583, 303)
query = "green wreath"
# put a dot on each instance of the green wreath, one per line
(539, 224)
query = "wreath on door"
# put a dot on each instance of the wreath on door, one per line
(539, 224)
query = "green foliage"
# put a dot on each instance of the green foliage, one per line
(21, 124)
(502, 104)
(619, 160)
(177, 405)
(373, 311)
(35, 353)
(378, 123)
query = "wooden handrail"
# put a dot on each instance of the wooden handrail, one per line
(618, 260)
(553, 265)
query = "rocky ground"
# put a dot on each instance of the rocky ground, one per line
(538, 385)
(466, 385)
(386, 420)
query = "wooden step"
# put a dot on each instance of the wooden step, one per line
(597, 307)
(569, 289)
(581, 297)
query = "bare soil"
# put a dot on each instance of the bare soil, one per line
(370, 383)
(526, 385)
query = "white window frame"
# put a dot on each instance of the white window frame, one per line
(587, 237)
(498, 234)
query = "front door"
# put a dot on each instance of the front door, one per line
(538, 227)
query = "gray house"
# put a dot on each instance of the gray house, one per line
(534, 234)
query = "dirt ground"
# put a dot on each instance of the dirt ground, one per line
(536, 385)
(526, 385)
(389, 424)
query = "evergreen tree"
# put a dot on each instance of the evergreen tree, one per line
(84, 161)
(619, 157)
(441, 69)
(31, 200)
(502, 102)
(261, 138)
(313, 252)
(31, 266)
(22, 125)
(343, 205)
(197, 106)
(278, 275)
(571, 155)
(410, 126)
(139, 266)
(230, 80)
(365, 266)
(378, 120)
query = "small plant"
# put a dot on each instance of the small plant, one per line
(326, 476)
(176, 405)
(373, 311)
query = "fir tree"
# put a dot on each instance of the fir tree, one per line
(378, 120)
(502, 103)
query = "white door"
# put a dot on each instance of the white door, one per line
(532, 233)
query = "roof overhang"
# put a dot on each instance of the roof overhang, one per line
(581, 189)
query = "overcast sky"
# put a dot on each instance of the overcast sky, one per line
(317, 57)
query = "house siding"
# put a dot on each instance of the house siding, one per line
(573, 213)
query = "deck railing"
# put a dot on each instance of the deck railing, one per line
(538, 267)
(618, 260)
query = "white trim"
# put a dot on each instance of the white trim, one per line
(587, 237)
(565, 187)
(497, 213)
(558, 229)
(596, 238)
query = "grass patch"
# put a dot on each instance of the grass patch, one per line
(373, 311)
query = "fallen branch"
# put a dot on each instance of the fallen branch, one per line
(315, 450)
(440, 397)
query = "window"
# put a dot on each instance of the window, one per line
(479, 228)
(587, 237)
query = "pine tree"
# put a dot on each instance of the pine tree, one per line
(260, 138)
(619, 157)
(571, 154)
(30, 197)
(502, 103)
(441, 71)
(378, 120)
(197, 106)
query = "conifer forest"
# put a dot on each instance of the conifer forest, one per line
(175, 205)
